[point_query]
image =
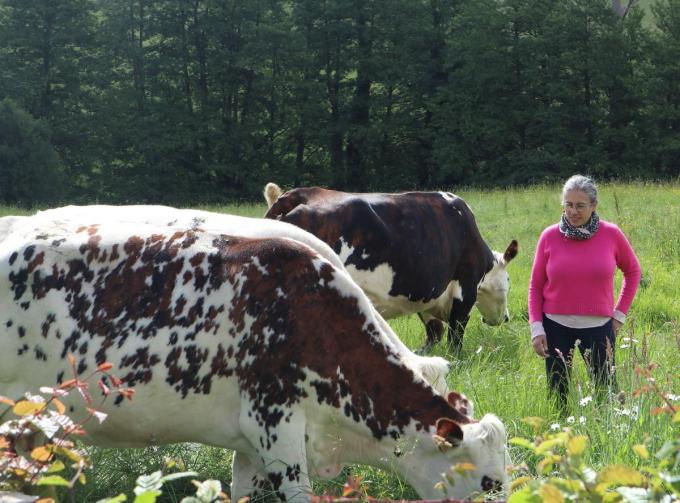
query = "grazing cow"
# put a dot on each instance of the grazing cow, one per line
(256, 344)
(416, 252)
(434, 369)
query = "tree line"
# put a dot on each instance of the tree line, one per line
(201, 101)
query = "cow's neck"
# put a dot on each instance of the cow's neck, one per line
(355, 442)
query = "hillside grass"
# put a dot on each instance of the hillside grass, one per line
(497, 367)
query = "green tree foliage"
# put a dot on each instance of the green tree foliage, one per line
(30, 173)
(184, 101)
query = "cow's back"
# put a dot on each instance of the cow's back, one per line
(409, 245)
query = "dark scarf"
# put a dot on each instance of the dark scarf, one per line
(586, 231)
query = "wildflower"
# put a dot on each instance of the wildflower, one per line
(582, 420)
(624, 346)
(585, 401)
(555, 426)
(479, 350)
(672, 397)
(571, 420)
(632, 412)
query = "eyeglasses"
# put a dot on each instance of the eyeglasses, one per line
(577, 207)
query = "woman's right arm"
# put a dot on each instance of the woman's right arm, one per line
(535, 300)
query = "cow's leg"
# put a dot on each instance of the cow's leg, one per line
(247, 479)
(283, 455)
(458, 318)
(434, 328)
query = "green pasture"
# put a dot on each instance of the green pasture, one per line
(497, 368)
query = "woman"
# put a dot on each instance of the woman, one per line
(571, 292)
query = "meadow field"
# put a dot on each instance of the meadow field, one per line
(497, 368)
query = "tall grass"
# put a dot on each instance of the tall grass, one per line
(497, 368)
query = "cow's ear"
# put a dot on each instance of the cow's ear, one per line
(460, 402)
(511, 251)
(449, 434)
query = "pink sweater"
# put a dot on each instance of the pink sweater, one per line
(577, 277)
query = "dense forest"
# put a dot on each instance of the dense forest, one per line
(200, 101)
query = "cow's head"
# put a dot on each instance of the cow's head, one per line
(464, 460)
(492, 291)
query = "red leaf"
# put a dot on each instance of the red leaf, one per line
(105, 367)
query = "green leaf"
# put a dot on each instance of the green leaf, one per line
(673, 480)
(620, 475)
(55, 467)
(550, 494)
(568, 485)
(641, 451)
(178, 475)
(667, 449)
(522, 442)
(26, 408)
(147, 497)
(53, 480)
(118, 499)
(577, 445)
(524, 495)
(549, 444)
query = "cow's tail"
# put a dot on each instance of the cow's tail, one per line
(271, 193)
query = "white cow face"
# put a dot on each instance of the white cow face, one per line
(481, 444)
(492, 291)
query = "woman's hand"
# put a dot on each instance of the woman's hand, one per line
(540, 345)
(617, 325)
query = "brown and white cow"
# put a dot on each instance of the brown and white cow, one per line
(414, 252)
(260, 345)
(433, 368)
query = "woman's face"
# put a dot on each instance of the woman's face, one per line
(577, 207)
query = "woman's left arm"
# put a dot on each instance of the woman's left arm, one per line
(630, 266)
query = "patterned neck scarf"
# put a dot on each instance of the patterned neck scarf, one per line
(586, 231)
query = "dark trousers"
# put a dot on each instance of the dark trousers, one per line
(597, 349)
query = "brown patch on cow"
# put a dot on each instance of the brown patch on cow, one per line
(45, 327)
(302, 341)
(91, 248)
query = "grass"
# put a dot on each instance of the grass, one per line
(497, 368)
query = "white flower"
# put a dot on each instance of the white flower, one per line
(585, 401)
(632, 412)
(624, 346)
(672, 397)
(571, 420)
(582, 420)
(629, 339)
(555, 426)
(479, 350)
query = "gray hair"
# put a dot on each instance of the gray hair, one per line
(582, 183)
